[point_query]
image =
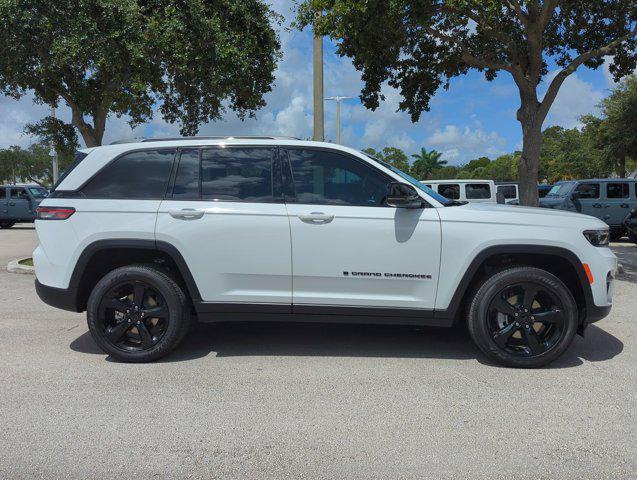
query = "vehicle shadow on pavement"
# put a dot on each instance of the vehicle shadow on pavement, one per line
(331, 340)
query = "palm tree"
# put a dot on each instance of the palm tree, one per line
(426, 163)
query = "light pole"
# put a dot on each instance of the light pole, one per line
(338, 115)
(319, 133)
(54, 154)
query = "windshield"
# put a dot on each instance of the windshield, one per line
(38, 192)
(416, 183)
(560, 189)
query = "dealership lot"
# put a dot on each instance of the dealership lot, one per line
(309, 401)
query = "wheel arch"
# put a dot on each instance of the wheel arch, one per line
(102, 256)
(562, 262)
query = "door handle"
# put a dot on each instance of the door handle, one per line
(624, 205)
(316, 217)
(186, 213)
(12, 204)
(597, 205)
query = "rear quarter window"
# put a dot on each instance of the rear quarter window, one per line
(507, 191)
(136, 175)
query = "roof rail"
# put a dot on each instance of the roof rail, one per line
(214, 137)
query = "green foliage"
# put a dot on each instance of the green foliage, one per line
(122, 57)
(617, 131)
(53, 131)
(392, 155)
(419, 46)
(27, 165)
(425, 163)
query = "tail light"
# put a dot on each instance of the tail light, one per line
(54, 213)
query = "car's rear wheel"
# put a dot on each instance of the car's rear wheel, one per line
(6, 224)
(523, 317)
(137, 314)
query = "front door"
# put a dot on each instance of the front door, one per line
(349, 248)
(19, 204)
(227, 221)
(588, 200)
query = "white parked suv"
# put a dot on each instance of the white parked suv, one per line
(148, 236)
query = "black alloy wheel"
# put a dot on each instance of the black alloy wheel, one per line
(133, 316)
(138, 313)
(526, 319)
(523, 317)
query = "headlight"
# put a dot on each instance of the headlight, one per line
(598, 238)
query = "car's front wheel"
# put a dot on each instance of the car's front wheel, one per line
(6, 224)
(137, 314)
(523, 317)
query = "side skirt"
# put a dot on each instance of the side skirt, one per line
(224, 312)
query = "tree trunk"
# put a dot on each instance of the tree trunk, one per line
(622, 168)
(528, 170)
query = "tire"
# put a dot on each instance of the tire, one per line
(519, 338)
(7, 224)
(132, 334)
(632, 238)
(617, 234)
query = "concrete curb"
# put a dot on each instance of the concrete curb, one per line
(15, 267)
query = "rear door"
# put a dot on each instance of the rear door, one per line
(19, 204)
(228, 221)
(348, 248)
(617, 204)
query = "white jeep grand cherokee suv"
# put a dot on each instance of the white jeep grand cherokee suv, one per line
(146, 236)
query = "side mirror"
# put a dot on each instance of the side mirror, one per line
(401, 195)
(500, 198)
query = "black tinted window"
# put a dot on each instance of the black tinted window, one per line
(507, 191)
(325, 177)
(141, 175)
(187, 178)
(18, 193)
(475, 191)
(617, 190)
(588, 190)
(449, 190)
(239, 174)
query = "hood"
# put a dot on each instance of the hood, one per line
(516, 215)
(552, 202)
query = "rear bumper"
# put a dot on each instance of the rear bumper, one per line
(63, 298)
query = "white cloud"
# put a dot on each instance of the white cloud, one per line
(460, 144)
(575, 98)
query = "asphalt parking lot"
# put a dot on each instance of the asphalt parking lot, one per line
(309, 401)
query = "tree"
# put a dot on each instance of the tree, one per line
(123, 57)
(426, 162)
(617, 132)
(392, 155)
(32, 164)
(418, 46)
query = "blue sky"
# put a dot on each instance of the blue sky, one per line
(473, 118)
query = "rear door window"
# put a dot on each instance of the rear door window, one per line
(588, 190)
(141, 175)
(187, 185)
(449, 190)
(237, 174)
(617, 190)
(478, 191)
